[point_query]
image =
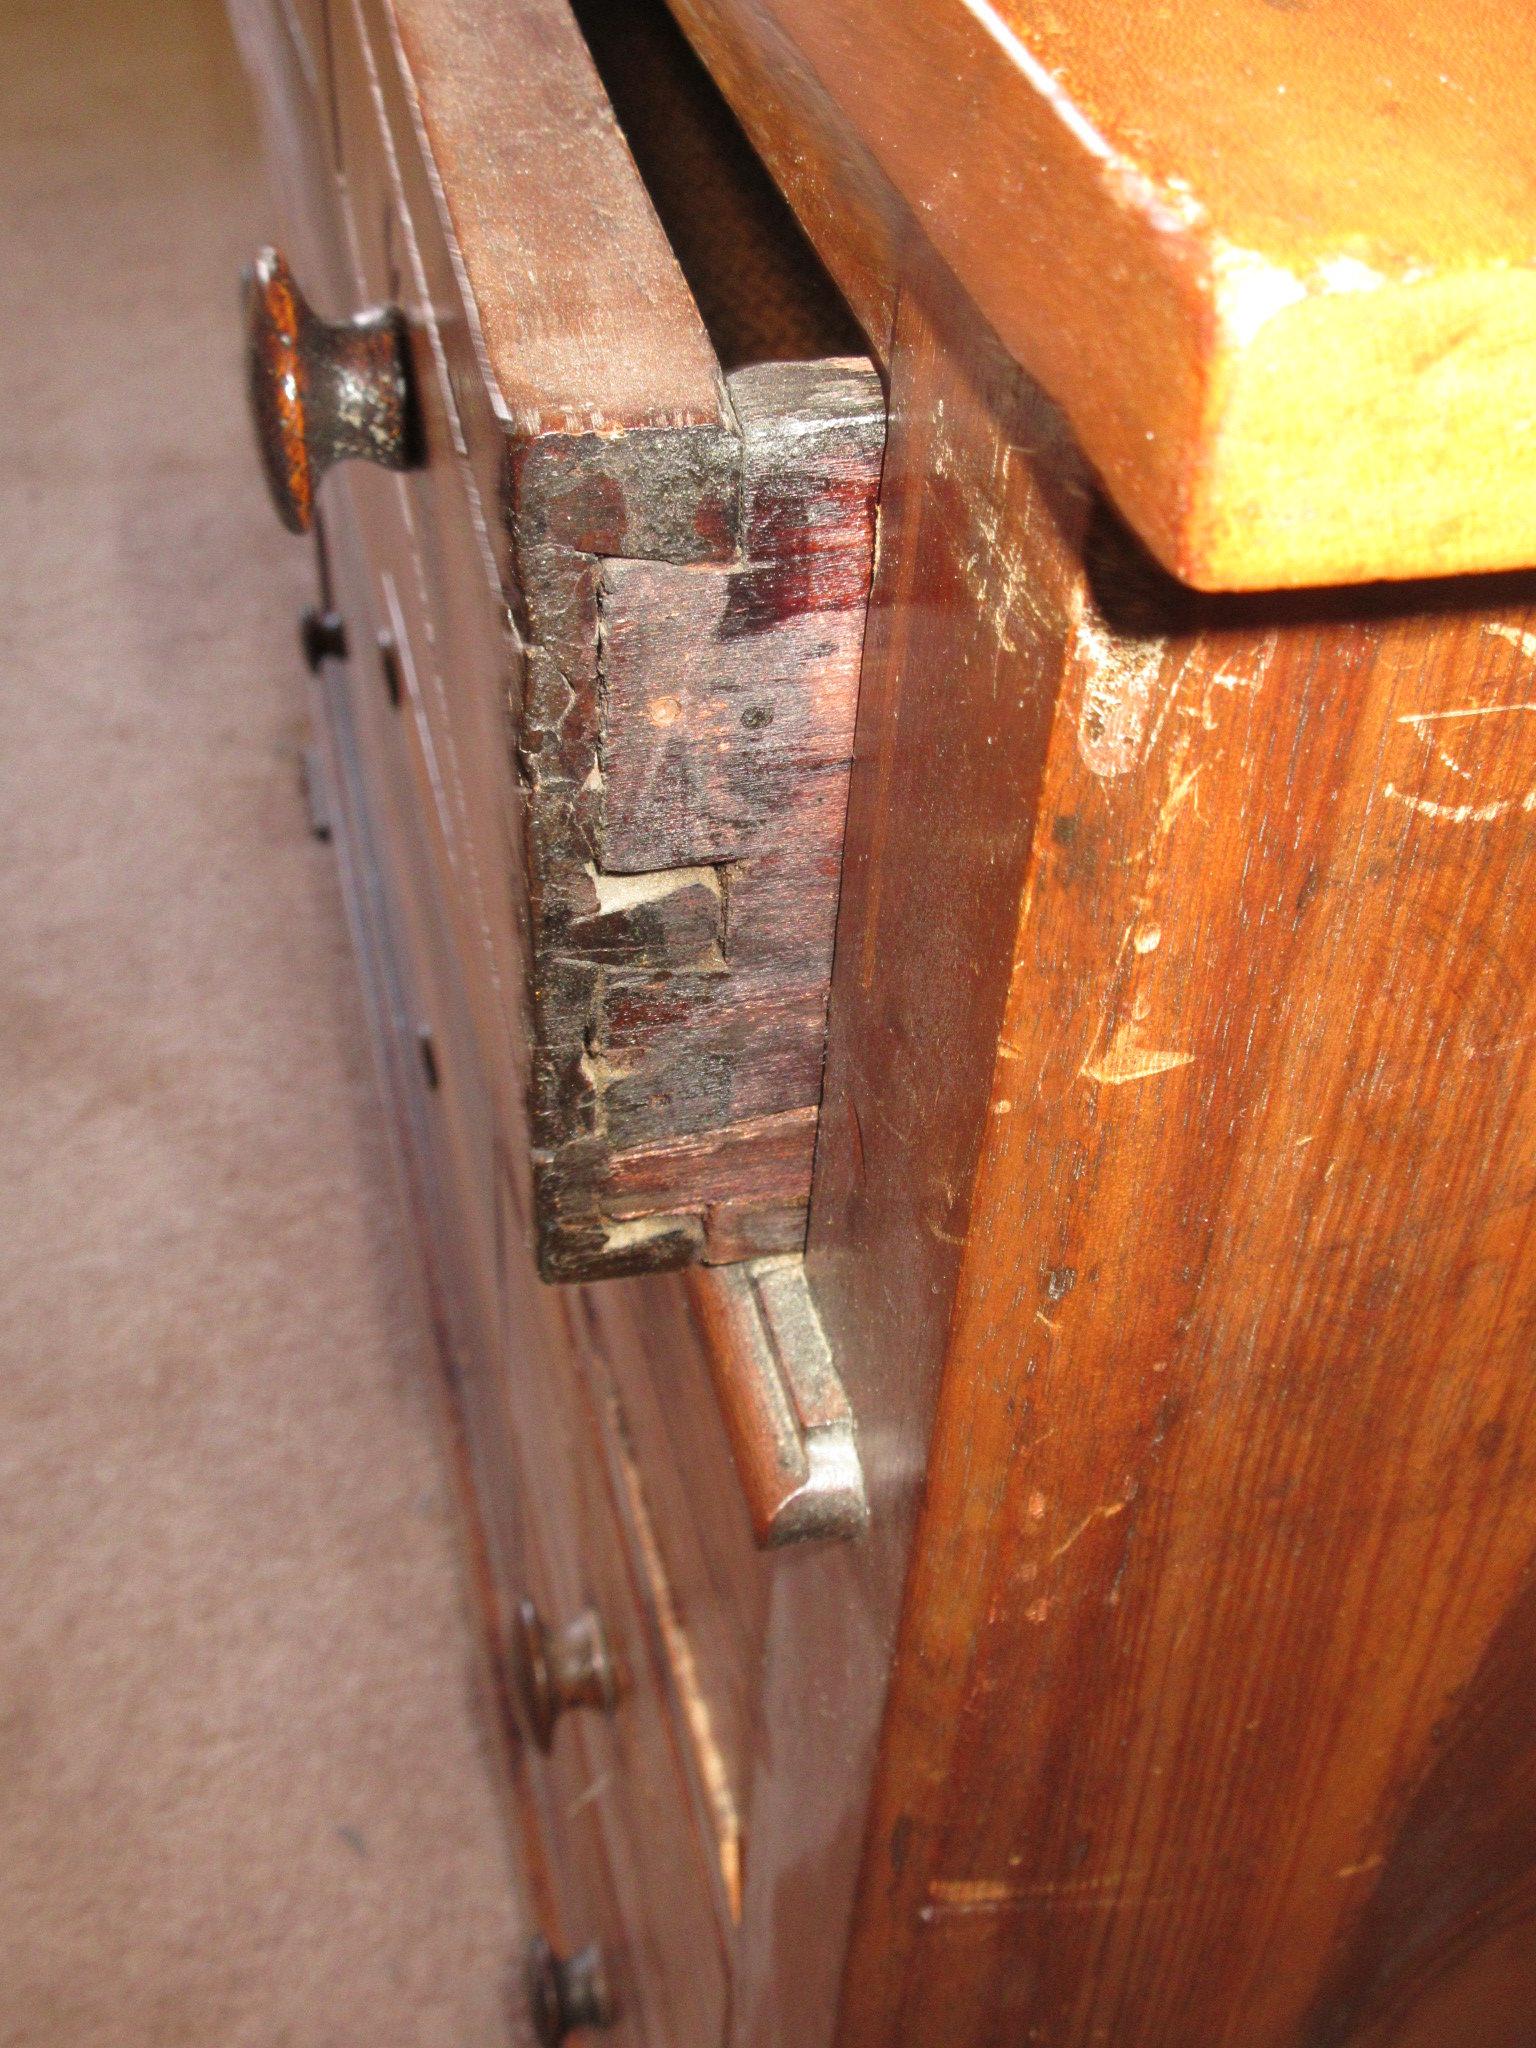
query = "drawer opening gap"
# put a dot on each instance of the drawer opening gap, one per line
(760, 287)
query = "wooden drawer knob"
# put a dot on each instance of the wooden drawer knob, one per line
(322, 637)
(554, 1669)
(321, 391)
(566, 1993)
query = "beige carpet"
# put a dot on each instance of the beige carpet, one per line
(244, 1798)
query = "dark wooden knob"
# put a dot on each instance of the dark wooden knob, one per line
(321, 391)
(567, 1993)
(559, 1668)
(323, 637)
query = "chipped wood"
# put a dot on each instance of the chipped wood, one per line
(680, 563)
(692, 607)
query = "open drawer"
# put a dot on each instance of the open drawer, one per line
(602, 585)
(636, 566)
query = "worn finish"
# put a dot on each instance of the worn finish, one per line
(534, 178)
(594, 1816)
(687, 579)
(688, 1512)
(1172, 1188)
(685, 742)
(1272, 262)
(321, 392)
(790, 1425)
(1202, 1726)
(918, 994)
(766, 514)
(610, 1795)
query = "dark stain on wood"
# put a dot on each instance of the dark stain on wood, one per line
(1459, 1868)
(691, 608)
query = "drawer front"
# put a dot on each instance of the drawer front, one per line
(651, 1352)
(618, 1780)
(284, 48)
(682, 1502)
(402, 244)
(449, 1127)
(604, 636)
(615, 1806)
(425, 538)
(431, 1072)
(685, 562)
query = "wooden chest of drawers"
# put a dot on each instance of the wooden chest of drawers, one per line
(585, 657)
(969, 1429)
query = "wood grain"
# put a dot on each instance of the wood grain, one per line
(1219, 1595)
(1174, 1178)
(941, 817)
(1271, 261)
(428, 539)
(643, 1345)
(534, 177)
(418, 740)
(685, 742)
(682, 737)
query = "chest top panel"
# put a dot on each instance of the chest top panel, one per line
(1274, 259)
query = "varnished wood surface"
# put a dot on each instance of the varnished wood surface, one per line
(1205, 1725)
(584, 319)
(424, 785)
(1271, 260)
(686, 588)
(570, 1415)
(611, 1793)
(1172, 1221)
(941, 814)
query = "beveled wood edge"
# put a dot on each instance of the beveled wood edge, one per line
(1268, 429)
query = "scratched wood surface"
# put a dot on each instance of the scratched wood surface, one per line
(1207, 1722)
(940, 819)
(686, 737)
(1172, 1222)
(640, 515)
(1271, 259)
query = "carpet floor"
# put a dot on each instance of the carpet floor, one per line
(245, 1795)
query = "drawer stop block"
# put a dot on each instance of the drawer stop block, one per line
(788, 1418)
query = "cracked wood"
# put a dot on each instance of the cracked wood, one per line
(685, 738)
